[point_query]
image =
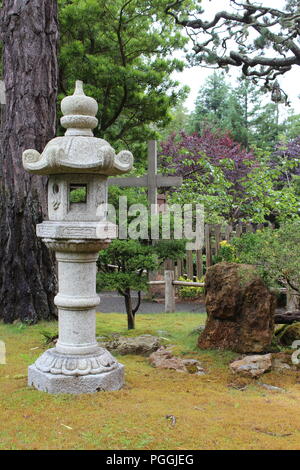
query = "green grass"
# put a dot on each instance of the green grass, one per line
(211, 413)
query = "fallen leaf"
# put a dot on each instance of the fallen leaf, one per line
(240, 387)
(171, 418)
(65, 426)
(274, 434)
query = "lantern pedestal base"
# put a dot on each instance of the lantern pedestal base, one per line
(75, 385)
(55, 373)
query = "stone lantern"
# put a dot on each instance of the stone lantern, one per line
(78, 166)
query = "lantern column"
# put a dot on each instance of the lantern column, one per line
(78, 166)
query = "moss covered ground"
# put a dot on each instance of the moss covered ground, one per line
(214, 411)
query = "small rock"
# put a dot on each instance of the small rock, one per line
(278, 365)
(193, 366)
(281, 361)
(143, 345)
(164, 333)
(164, 359)
(102, 338)
(272, 387)
(252, 366)
(198, 330)
(240, 383)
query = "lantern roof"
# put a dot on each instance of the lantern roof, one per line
(78, 151)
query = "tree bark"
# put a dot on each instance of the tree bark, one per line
(130, 314)
(287, 318)
(29, 32)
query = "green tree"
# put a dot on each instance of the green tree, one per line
(266, 39)
(267, 127)
(238, 110)
(276, 253)
(122, 50)
(133, 261)
(292, 126)
(124, 266)
(211, 106)
(180, 121)
(248, 97)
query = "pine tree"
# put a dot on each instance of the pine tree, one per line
(27, 269)
(211, 104)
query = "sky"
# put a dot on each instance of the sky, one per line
(195, 77)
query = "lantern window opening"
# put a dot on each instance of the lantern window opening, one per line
(78, 193)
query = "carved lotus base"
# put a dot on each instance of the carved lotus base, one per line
(58, 373)
(56, 363)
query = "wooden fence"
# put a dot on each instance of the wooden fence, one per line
(195, 262)
(170, 284)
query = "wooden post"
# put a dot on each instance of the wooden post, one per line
(152, 180)
(199, 264)
(207, 246)
(228, 231)
(152, 174)
(239, 230)
(169, 265)
(179, 268)
(169, 292)
(218, 238)
(189, 265)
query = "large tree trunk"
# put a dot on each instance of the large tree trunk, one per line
(27, 270)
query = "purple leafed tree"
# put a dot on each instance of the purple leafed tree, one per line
(181, 155)
(289, 151)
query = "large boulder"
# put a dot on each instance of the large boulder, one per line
(240, 310)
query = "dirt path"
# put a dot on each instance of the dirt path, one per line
(114, 303)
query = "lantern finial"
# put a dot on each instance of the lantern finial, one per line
(79, 112)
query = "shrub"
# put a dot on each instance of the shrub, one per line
(190, 292)
(227, 252)
(275, 253)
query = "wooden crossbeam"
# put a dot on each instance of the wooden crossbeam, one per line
(142, 181)
(152, 181)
